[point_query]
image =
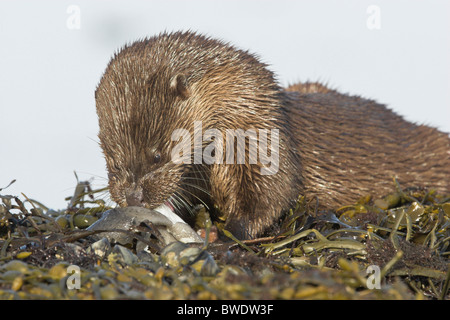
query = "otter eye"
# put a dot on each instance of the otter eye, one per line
(157, 158)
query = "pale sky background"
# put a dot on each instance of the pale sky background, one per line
(49, 72)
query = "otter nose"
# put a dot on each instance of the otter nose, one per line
(135, 198)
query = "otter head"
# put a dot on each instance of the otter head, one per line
(138, 109)
(158, 85)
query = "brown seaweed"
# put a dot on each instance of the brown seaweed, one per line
(309, 255)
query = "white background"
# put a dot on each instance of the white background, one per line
(48, 72)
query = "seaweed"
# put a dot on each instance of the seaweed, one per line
(394, 247)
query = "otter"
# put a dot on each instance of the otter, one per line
(332, 146)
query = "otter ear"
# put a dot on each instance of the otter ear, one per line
(180, 86)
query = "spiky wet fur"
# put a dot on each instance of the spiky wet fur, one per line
(333, 146)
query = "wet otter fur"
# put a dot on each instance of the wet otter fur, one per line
(331, 145)
(353, 146)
